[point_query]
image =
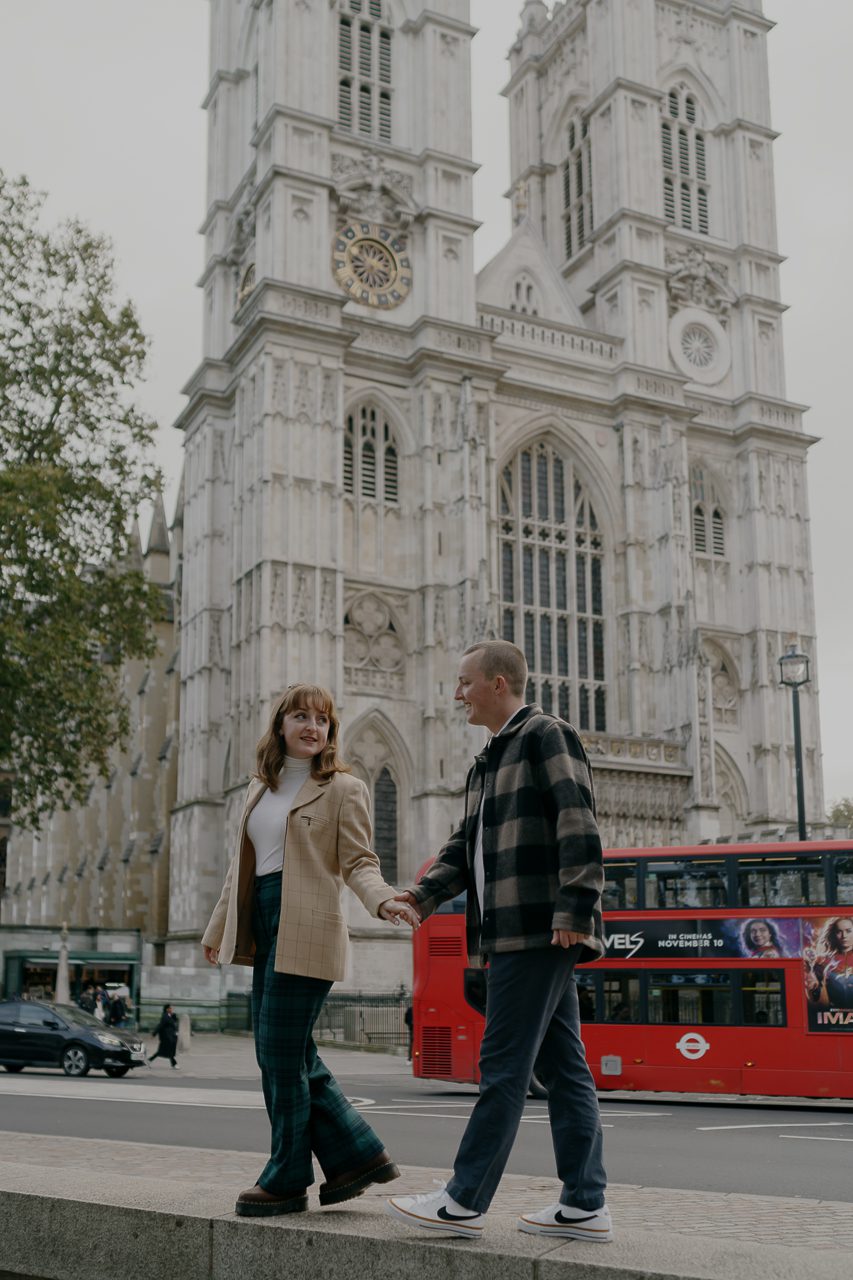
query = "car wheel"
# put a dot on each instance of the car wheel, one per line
(116, 1072)
(75, 1060)
(537, 1088)
(14, 1067)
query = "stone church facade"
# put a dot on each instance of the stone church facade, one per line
(585, 447)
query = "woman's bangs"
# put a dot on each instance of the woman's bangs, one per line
(310, 697)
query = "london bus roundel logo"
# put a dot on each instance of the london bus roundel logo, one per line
(692, 1045)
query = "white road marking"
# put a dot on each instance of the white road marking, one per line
(814, 1137)
(811, 1124)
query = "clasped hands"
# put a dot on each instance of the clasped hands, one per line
(402, 907)
(408, 911)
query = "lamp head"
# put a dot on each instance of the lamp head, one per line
(794, 668)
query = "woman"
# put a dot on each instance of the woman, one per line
(760, 940)
(304, 833)
(166, 1032)
(829, 975)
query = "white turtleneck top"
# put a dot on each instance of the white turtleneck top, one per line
(267, 826)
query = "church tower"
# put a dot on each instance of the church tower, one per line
(334, 528)
(641, 147)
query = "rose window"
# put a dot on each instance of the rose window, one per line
(372, 264)
(698, 346)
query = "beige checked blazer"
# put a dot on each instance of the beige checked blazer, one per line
(326, 846)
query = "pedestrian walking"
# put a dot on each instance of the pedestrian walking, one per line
(166, 1032)
(528, 853)
(87, 1000)
(304, 833)
(102, 1006)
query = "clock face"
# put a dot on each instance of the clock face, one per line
(370, 265)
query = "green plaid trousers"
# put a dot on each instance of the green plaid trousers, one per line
(307, 1110)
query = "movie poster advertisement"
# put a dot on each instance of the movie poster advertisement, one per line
(757, 938)
(828, 973)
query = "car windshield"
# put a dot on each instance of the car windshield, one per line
(79, 1017)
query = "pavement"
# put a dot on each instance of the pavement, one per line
(172, 1211)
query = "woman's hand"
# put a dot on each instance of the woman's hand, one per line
(211, 954)
(395, 911)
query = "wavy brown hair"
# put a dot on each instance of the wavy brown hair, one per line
(271, 748)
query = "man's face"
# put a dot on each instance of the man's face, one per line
(474, 691)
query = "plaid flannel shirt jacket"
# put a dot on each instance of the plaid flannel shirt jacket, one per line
(542, 854)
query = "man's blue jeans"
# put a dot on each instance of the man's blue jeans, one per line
(532, 1016)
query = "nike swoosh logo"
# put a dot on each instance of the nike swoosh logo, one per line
(455, 1217)
(571, 1222)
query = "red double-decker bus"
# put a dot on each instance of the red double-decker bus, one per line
(728, 969)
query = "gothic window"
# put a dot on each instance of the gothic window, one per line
(577, 188)
(370, 457)
(385, 825)
(364, 68)
(524, 296)
(709, 524)
(552, 584)
(685, 168)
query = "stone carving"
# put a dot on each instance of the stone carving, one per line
(696, 281)
(241, 231)
(367, 189)
(520, 202)
(303, 389)
(303, 601)
(329, 396)
(327, 603)
(374, 657)
(439, 623)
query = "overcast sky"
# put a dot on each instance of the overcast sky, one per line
(99, 103)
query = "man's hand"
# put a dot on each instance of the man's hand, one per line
(566, 938)
(211, 954)
(397, 909)
(408, 897)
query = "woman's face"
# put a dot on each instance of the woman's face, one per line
(759, 934)
(305, 731)
(844, 935)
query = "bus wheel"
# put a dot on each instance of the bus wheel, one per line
(537, 1088)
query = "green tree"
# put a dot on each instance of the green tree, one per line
(75, 464)
(841, 812)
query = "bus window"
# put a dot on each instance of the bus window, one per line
(586, 996)
(620, 886)
(780, 882)
(621, 997)
(692, 997)
(844, 881)
(763, 992)
(686, 882)
(454, 907)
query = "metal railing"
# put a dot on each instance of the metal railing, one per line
(354, 1018)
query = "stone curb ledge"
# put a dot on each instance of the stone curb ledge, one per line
(158, 1229)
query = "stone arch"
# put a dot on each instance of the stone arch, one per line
(566, 437)
(732, 795)
(573, 107)
(377, 753)
(675, 74)
(397, 420)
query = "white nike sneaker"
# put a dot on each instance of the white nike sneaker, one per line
(437, 1211)
(575, 1224)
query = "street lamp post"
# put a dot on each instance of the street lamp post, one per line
(794, 672)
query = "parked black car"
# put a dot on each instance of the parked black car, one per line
(34, 1034)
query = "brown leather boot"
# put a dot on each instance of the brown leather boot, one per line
(346, 1186)
(258, 1203)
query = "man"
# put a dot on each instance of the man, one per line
(528, 853)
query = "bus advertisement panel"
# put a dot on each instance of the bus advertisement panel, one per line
(754, 938)
(828, 972)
